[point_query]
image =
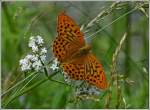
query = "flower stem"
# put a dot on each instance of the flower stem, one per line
(30, 88)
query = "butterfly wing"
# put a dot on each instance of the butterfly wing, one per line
(76, 68)
(69, 30)
(87, 68)
(75, 71)
(94, 72)
(69, 39)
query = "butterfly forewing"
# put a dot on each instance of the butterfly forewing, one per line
(68, 29)
(69, 39)
(62, 49)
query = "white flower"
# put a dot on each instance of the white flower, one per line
(43, 57)
(94, 90)
(66, 77)
(56, 61)
(31, 42)
(34, 58)
(39, 39)
(43, 51)
(55, 65)
(37, 65)
(29, 56)
(35, 43)
(25, 64)
(35, 48)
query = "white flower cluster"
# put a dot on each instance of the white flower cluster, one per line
(35, 43)
(34, 60)
(89, 90)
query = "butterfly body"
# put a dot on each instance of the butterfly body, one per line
(74, 54)
(81, 52)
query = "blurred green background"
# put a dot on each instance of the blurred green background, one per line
(20, 20)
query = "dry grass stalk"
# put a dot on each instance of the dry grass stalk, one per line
(114, 75)
(100, 16)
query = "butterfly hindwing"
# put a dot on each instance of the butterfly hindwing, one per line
(75, 71)
(96, 76)
(87, 68)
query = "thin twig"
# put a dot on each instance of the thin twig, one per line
(142, 9)
(30, 88)
(102, 14)
(28, 82)
(114, 73)
(8, 90)
(35, 19)
(19, 90)
(59, 82)
(111, 23)
(114, 61)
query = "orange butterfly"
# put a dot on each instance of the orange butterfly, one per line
(74, 54)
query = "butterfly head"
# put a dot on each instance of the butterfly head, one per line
(85, 49)
(82, 51)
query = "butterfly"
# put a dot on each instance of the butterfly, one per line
(74, 54)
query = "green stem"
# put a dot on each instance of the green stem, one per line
(30, 88)
(59, 82)
(127, 48)
(27, 90)
(8, 90)
(45, 70)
